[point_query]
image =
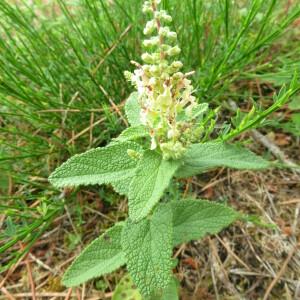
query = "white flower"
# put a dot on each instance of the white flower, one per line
(172, 35)
(152, 81)
(148, 58)
(165, 99)
(153, 143)
(164, 93)
(174, 51)
(164, 31)
(147, 8)
(150, 27)
(177, 64)
(143, 116)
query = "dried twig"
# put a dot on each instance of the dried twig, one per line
(7, 293)
(69, 294)
(275, 150)
(280, 273)
(230, 252)
(114, 106)
(30, 277)
(84, 131)
(223, 276)
(111, 49)
(292, 201)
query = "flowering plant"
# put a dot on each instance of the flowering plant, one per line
(169, 137)
(168, 108)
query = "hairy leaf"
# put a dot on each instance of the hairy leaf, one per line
(199, 110)
(132, 133)
(133, 109)
(201, 157)
(122, 186)
(102, 256)
(148, 247)
(153, 175)
(193, 219)
(97, 166)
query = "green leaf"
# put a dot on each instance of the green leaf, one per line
(148, 248)
(196, 113)
(295, 103)
(199, 110)
(202, 157)
(126, 290)
(11, 228)
(102, 256)
(97, 166)
(132, 133)
(169, 293)
(133, 109)
(293, 125)
(193, 219)
(122, 186)
(153, 175)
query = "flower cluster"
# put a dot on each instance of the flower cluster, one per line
(165, 94)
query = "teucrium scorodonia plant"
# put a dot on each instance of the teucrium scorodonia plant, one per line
(168, 138)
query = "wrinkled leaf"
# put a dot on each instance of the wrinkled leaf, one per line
(193, 219)
(133, 110)
(199, 110)
(97, 166)
(202, 157)
(147, 246)
(102, 256)
(153, 175)
(132, 133)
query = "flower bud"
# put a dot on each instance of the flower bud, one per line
(156, 57)
(128, 75)
(150, 27)
(146, 68)
(154, 41)
(174, 51)
(153, 143)
(178, 75)
(172, 35)
(147, 8)
(187, 83)
(143, 116)
(157, 14)
(164, 31)
(172, 150)
(154, 70)
(134, 154)
(147, 58)
(177, 65)
(165, 17)
(147, 43)
(163, 65)
(165, 76)
(152, 81)
(165, 99)
(165, 47)
(173, 133)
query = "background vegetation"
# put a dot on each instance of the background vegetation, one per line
(61, 92)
